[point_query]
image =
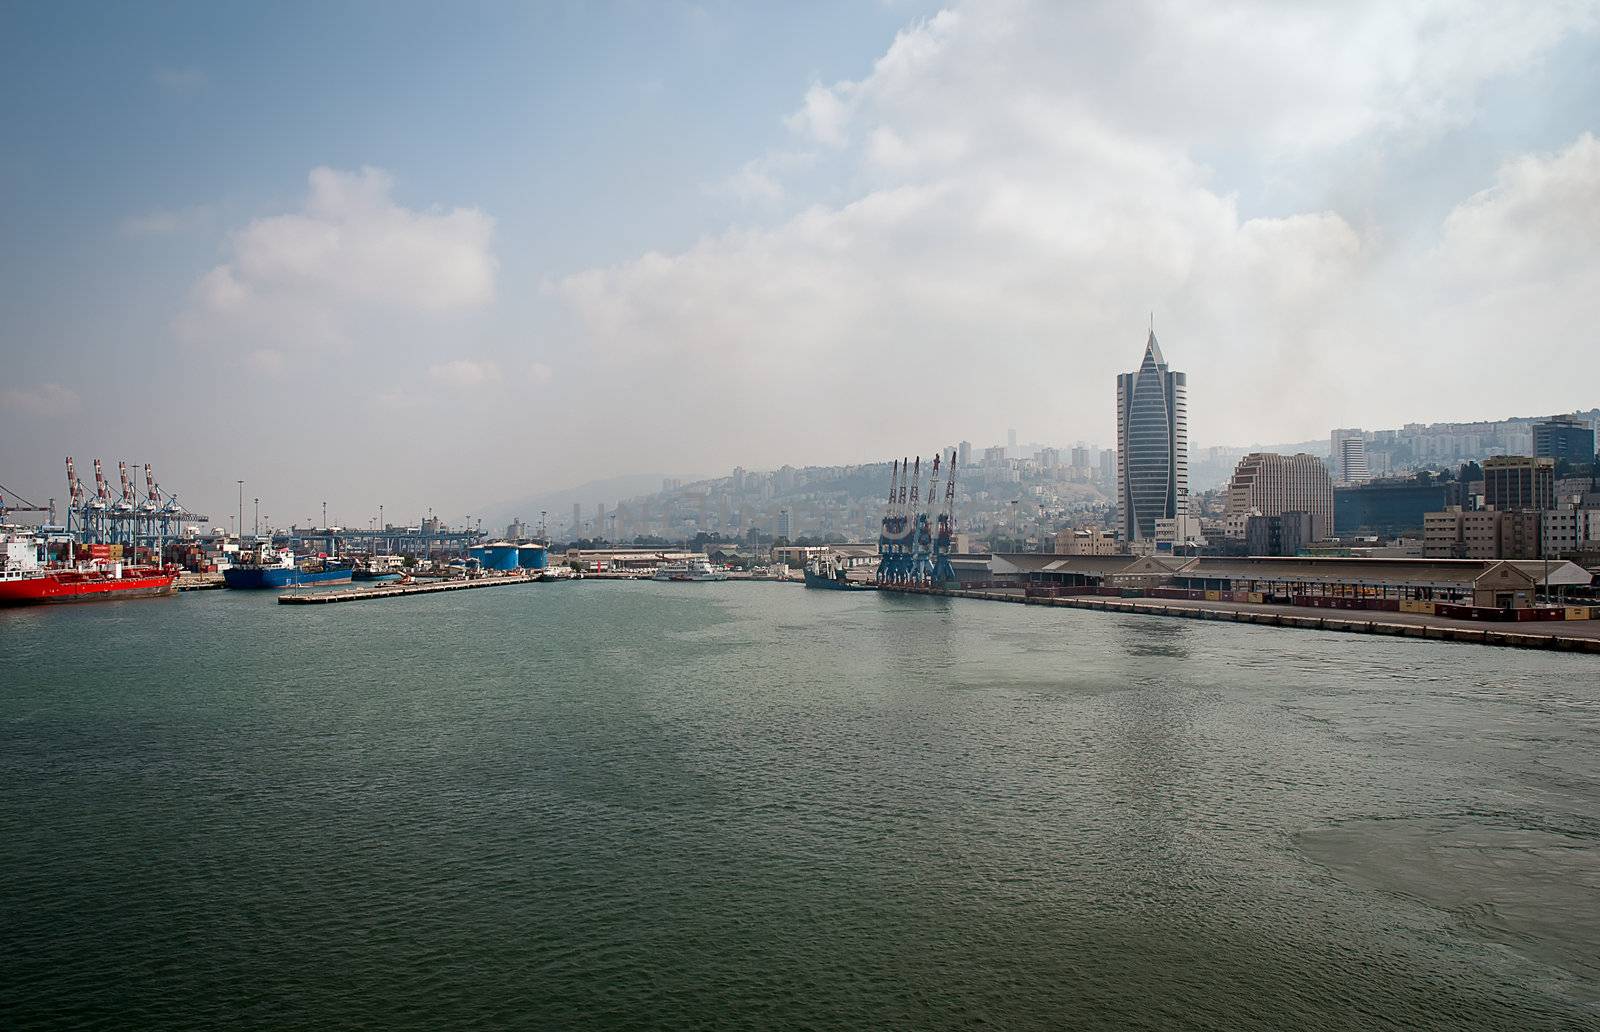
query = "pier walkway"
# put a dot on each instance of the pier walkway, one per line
(328, 596)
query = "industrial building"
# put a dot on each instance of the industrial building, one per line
(1488, 583)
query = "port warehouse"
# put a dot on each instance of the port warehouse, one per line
(1442, 586)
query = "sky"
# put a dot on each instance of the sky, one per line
(435, 256)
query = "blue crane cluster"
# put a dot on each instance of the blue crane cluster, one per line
(915, 544)
(126, 519)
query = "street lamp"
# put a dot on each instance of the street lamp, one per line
(241, 507)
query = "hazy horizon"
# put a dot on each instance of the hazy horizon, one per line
(418, 257)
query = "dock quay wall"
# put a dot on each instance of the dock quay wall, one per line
(1278, 616)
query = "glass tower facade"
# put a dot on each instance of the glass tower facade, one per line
(1152, 445)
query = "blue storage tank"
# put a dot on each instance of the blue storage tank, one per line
(532, 557)
(499, 555)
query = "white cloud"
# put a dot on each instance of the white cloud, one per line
(825, 115)
(1540, 220)
(463, 373)
(42, 401)
(343, 269)
(761, 179)
(1029, 182)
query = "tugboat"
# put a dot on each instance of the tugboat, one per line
(26, 580)
(830, 575)
(267, 567)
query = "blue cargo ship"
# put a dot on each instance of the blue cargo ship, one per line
(273, 568)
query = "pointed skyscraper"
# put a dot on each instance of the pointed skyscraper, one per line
(1152, 444)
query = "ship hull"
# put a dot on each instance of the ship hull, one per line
(817, 580)
(77, 587)
(275, 578)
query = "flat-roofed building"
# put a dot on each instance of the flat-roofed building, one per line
(1519, 482)
(1564, 437)
(1390, 508)
(1091, 541)
(1481, 534)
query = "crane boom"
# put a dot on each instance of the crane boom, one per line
(950, 491)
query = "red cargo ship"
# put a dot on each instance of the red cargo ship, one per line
(24, 580)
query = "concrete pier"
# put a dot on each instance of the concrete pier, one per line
(331, 596)
(1576, 636)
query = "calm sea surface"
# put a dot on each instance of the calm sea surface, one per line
(632, 805)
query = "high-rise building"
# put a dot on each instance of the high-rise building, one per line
(1336, 449)
(964, 453)
(1564, 437)
(600, 520)
(1275, 484)
(1108, 467)
(1519, 482)
(577, 520)
(1152, 444)
(1011, 441)
(785, 524)
(1353, 461)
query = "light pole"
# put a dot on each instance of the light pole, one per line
(258, 517)
(241, 507)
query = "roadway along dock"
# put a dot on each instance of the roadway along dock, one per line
(328, 596)
(1577, 636)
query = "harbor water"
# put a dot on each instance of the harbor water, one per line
(747, 805)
